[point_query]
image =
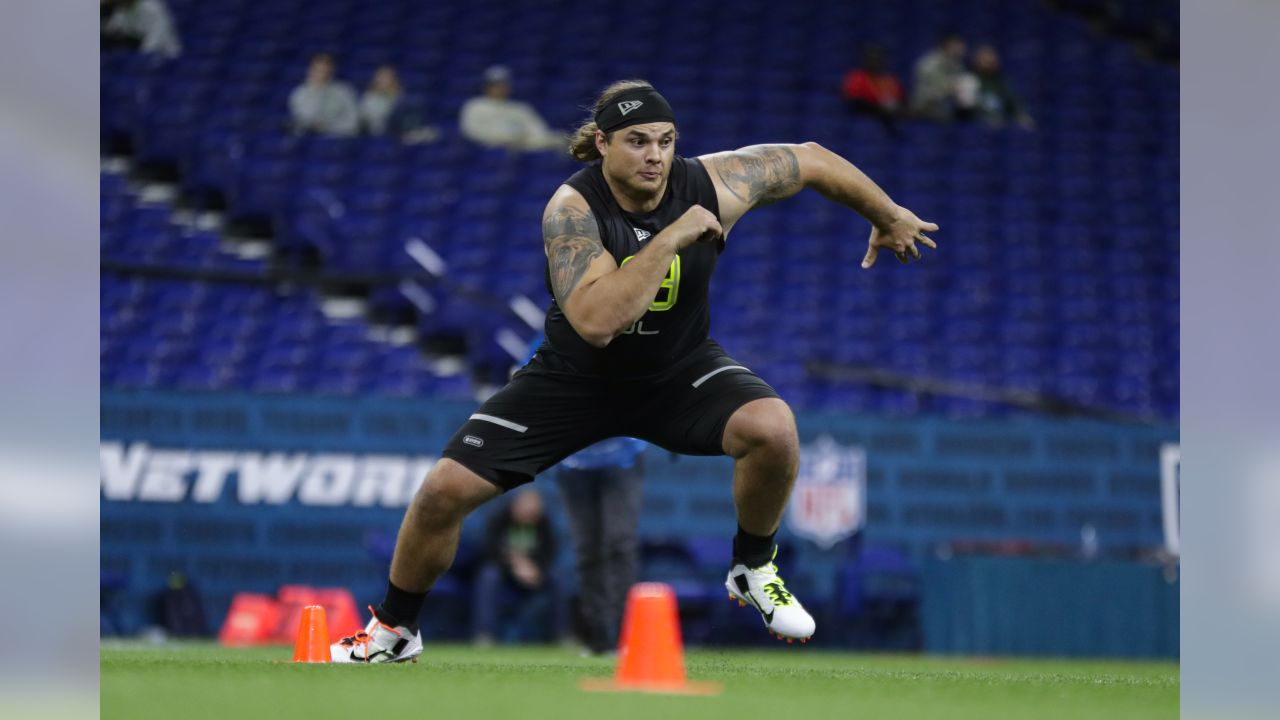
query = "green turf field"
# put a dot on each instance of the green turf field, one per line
(206, 681)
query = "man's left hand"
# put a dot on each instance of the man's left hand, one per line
(901, 236)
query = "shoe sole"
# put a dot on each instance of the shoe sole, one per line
(410, 658)
(742, 602)
(413, 659)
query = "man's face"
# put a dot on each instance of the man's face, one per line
(639, 157)
(985, 59)
(874, 60)
(321, 71)
(498, 89)
(385, 81)
(954, 48)
(526, 509)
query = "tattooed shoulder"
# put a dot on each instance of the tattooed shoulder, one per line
(760, 174)
(572, 241)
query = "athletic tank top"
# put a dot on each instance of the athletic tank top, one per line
(678, 319)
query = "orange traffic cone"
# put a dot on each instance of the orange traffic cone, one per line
(312, 644)
(650, 653)
(250, 621)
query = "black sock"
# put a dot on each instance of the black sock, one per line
(400, 607)
(752, 550)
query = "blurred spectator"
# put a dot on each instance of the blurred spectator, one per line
(324, 105)
(496, 120)
(519, 553)
(143, 24)
(872, 89)
(182, 608)
(602, 488)
(386, 110)
(939, 82)
(996, 102)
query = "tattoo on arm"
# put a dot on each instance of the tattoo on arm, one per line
(760, 174)
(572, 241)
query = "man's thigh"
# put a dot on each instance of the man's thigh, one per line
(689, 410)
(537, 420)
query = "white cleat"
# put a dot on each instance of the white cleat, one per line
(760, 587)
(378, 643)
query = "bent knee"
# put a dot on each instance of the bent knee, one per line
(450, 490)
(767, 425)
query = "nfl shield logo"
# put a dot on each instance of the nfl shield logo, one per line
(830, 499)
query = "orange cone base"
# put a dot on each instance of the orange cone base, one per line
(686, 687)
(650, 652)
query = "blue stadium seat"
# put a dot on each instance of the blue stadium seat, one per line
(1065, 240)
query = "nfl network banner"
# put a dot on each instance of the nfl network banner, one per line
(829, 502)
(248, 492)
(139, 473)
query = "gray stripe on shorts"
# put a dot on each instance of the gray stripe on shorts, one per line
(717, 371)
(499, 421)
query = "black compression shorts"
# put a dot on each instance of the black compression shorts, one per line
(545, 415)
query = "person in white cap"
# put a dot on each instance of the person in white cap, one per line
(495, 120)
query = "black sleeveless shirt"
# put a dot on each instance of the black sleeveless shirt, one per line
(678, 320)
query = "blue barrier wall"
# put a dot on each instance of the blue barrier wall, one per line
(1031, 606)
(247, 492)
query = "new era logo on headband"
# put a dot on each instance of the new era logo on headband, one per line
(632, 107)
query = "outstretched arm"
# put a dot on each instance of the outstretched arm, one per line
(761, 174)
(600, 299)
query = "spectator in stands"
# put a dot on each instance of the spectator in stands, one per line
(519, 554)
(323, 105)
(873, 90)
(494, 119)
(146, 25)
(602, 488)
(939, 80)
(385, 109)
(996, 102)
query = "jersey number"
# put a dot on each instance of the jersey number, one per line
(669, 290)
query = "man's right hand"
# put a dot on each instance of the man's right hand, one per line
(696, 224)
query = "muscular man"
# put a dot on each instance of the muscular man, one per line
(631, 242)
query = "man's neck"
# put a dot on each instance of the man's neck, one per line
(636, 204)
